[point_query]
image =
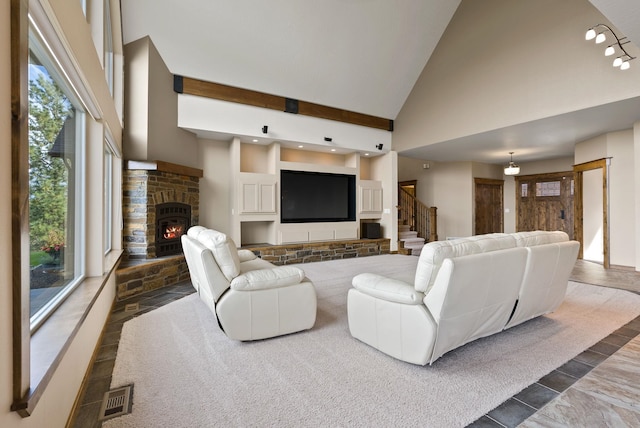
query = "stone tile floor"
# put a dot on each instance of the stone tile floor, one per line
(599, 387)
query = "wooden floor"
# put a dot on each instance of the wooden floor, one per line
(625, 278)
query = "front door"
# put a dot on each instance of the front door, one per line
(489, 217)
(545, 202)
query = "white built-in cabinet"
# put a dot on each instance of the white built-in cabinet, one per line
(370, 201)
(258, 193)
(257, 174)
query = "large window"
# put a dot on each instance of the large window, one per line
(108, 46)
(56, 146)
(108, 197)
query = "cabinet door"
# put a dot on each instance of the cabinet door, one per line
(250, 198)
(370, 200)
(267, 200)
(257, 197)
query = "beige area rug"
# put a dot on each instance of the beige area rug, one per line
(187, 373)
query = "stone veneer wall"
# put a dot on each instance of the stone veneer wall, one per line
(142, 277)
(143, 189)
(321, 251)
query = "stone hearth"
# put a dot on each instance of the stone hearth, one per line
(146, 185)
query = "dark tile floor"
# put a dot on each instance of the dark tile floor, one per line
(522, 407)
(99, 381)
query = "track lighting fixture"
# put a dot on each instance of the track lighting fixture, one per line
(265, 129)
(512, 168)
(622, 60)
(379, 146)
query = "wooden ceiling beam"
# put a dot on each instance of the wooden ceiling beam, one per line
(190, 86)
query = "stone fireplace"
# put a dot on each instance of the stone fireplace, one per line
(160, 202)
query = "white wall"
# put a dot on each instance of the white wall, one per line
(215, 206)
(492, 70)
(152, 110)
(622, 196)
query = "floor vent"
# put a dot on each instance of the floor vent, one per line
(131, 307)
(116, 402)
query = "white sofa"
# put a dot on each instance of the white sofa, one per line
(251, 298)
(464, 289)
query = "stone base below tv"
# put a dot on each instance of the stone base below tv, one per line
(320, 251)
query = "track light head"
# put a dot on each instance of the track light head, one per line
(379, 146)
(621, 61)
(591, 34)
(265, 129)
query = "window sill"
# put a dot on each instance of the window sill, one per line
(50, 343)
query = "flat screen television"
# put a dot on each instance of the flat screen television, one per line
(317, 197)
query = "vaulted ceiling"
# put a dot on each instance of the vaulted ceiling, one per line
(359, 55)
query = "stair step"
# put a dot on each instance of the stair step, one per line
(413, 242)
(405, 251)
(407, 235)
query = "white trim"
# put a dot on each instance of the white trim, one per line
(43, 21)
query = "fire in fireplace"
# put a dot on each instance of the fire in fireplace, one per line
(172, 221)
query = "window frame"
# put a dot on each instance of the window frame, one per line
(39, 47)
(37, 356)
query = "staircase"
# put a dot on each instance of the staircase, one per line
(409, 241)
(417, 223)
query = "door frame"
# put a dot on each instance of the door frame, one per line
(578, 207)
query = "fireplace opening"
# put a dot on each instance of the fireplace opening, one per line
(172, 221)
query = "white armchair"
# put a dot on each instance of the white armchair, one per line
(251, 298)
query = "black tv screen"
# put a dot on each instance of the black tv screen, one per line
(317, 197)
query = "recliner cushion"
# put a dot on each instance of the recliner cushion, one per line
(280, 276)
(434, 253)
(539, 237)
(224, 251)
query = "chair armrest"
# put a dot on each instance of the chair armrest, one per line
(262, 279)
(392, 290)
(246, 255)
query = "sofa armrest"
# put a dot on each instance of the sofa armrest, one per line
(246, 255)
(262, 279)
(388, 289)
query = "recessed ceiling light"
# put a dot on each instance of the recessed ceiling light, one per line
(366, 154)
(255, 141)
(333, 150)
(300, 146)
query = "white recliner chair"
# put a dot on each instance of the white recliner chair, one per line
(251, 298)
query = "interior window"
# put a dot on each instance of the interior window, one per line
(108, 197)
(108, 46)
(56, 141)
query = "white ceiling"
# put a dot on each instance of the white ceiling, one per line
(358, 55)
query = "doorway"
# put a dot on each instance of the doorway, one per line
(592, 226)
(545, 202)
(489, 212)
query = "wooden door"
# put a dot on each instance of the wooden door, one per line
(489, 214)
(545, 202)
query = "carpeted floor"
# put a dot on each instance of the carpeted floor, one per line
(187, 373)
